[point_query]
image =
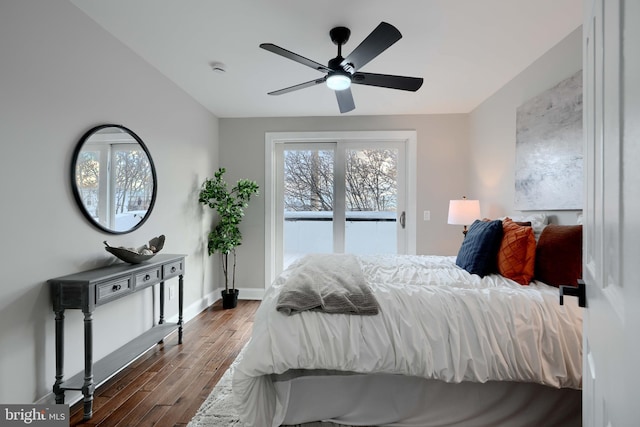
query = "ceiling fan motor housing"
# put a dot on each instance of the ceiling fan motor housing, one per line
(340, 35)
(336, 64)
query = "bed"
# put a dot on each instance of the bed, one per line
(444, 347)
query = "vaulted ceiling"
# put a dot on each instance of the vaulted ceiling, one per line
(464, 49)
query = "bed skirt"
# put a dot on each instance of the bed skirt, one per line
(401, 401)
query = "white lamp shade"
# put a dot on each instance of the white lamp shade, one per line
(463, 212)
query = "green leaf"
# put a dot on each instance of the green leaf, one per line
(230, 206)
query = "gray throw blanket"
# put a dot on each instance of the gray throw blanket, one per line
(331, 283)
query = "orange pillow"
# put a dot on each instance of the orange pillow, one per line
(517, 253)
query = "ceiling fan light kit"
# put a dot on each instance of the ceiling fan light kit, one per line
(338, 81)
(342, 72)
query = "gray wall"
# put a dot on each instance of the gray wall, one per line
(442, 174)
(60, 75)
(493, 129)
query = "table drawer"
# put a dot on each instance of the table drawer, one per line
(147, 278)
(173, 269)
(112, 289)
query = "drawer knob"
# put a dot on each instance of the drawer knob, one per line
(173, 269)
(116, 288)
(147, 277)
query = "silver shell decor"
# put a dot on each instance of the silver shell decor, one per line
(137, 255)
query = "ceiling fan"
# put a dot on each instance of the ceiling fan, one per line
(341, 72)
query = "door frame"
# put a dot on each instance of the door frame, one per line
(273, 245)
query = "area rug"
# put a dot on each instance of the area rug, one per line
(218, 410)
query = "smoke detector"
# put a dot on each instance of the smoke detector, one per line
(218, 67)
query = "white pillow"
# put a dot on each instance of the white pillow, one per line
(538, 222)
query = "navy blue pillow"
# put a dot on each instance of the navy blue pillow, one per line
(479, 251)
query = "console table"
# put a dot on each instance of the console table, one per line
(90, 289)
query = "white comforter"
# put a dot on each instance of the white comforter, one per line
(436, 321)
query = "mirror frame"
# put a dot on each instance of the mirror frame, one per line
(76, 192)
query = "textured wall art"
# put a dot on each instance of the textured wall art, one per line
(549, 149)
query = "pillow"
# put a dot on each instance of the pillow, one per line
(538, 222)
(559, 255)
(480, 247)
(517, 252)
(522, 223)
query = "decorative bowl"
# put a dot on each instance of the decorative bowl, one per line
(141, 254)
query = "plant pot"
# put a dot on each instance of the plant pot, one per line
(230, 299)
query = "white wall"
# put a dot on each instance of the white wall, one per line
(442, 174)
(61, 74)
(493, 129)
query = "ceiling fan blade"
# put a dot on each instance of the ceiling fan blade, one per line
(345, 100)
(383, 36)
(294, 57)
(298, 87)
(388, 81)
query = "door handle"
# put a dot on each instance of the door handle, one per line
(403, 219)
(574, 291)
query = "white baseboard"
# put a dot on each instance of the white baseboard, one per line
(72, 397)
(251, 293)
(205, 302)
(197, 307)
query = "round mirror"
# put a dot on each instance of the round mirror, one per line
(113, 178)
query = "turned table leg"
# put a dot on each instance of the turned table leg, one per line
(88, 386)
(180, 302)
(59, 357)
(161, 303)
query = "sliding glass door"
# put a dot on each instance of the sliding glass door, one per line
(338, 191)
(308, 199)
(374, 193)
(341, 196)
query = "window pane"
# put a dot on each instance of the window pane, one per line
(308, 202)
(371, 201)
(133, 185)
(88, 180)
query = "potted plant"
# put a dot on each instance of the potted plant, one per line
(226, 236)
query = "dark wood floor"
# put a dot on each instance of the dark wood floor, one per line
(167, 385)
